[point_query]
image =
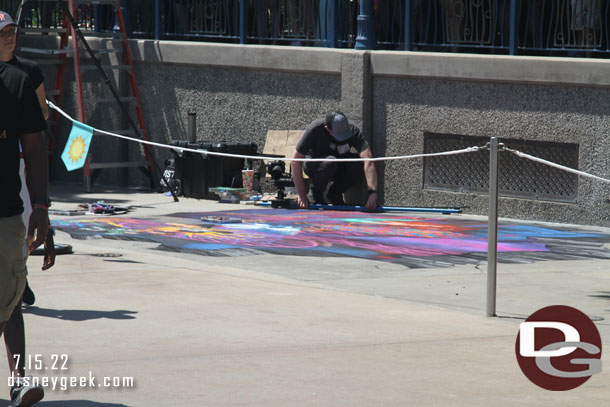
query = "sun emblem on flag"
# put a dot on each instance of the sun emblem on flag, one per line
(77, 149)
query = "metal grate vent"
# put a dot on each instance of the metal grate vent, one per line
(517, 177)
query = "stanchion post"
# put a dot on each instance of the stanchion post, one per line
(492, 234)
(192, 126)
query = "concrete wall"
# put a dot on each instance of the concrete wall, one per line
(543, 99)
(233, 103)
(239, 92)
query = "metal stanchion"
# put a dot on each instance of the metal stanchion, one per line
(492, 236)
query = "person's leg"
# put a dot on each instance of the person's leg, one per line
(22, 394)
(14, 334)
(23, 391)
(12, 264)
(321, 174)
(2, 326)
(14, 339)
(12, 277)
(24, 194)
(12, 282)
(347, 175)
(28, 295)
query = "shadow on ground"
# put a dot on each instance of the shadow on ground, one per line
(72, 193)
(68, 403)
(78, 314)
(602, 294)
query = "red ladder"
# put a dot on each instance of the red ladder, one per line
(59, 56)
(90, 168)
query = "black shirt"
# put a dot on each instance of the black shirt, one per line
(19, 113)
(317, 143)
(29, 67)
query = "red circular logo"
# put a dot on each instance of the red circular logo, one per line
(559, 348)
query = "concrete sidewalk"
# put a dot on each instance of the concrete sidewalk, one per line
(272, 330)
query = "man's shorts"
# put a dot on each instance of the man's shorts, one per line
(12, 264)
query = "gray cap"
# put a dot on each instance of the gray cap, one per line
(340, 127)
(5, 20)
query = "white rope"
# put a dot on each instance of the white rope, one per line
(259, 157)
(402, 157)
(552, 164)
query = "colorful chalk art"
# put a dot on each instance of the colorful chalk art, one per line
(413, 241)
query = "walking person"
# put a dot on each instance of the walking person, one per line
(21, 121)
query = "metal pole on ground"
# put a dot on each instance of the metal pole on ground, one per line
(492, 234)
(357, 208)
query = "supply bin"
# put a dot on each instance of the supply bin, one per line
(198, 173)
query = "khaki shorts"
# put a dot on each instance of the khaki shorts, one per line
(12, 264)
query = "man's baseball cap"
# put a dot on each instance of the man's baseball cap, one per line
(338, 123)
(5, 20)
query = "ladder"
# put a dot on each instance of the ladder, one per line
(95, 107)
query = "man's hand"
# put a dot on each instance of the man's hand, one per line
(299, 183)
(49, 252)
(371, 203)
(303, 201)
(39, 223)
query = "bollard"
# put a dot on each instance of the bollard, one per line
(492, 233)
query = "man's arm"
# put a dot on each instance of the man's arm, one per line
(42, 99)
(299, 182)
(370, 174)
(37, 178)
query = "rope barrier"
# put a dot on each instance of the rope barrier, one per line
(259, 157)
(205, 153)
(494, 148)
(555, 165)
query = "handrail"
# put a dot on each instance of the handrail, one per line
(554, 28)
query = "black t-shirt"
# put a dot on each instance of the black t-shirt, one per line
(317, 143)
(29, 67)
(19, 113)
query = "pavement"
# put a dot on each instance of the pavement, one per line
(288, 330)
